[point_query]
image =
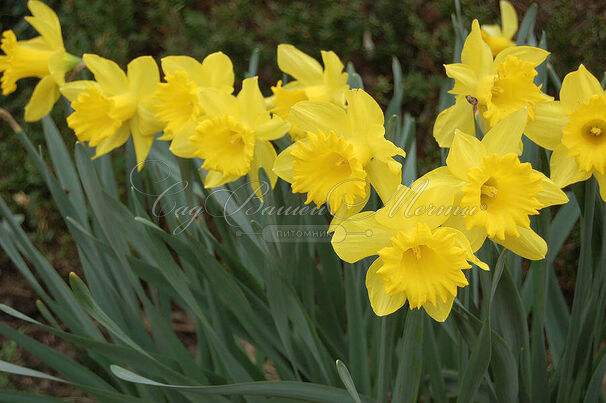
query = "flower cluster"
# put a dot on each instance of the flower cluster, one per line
(425, 235)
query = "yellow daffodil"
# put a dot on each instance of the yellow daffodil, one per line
(43, 57)
(108, 110)
(419, 260)
(575, 129)
(343, 151)
(500, 37)
(177, 101)
(499, 86)
(234, 138)
(312, 82)
(501, 191)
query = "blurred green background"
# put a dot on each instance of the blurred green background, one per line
(366, 33)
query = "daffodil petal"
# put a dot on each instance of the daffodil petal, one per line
(476, 53)
(530, 54)
(601, 178)
(252, 103)
(457, 117)
(476, 235)
(385, 175)
(333, 67)
(142, 140)
(441, 309)
(216, 103)
(57, 66)
(216, 178)
(283, 165)
(43, 98)
(363, 111)
(546, 127)
(506, 136)
(528, 245)
(360, 236)
(382, 303)
(492, 30)
(551, 194)
(264, 157)
(313, 116)
(72, 89)
(465, 153)
(429, 200)
(564, 169)
(180, 145)
(464, 243)
(509, 19)
(143, 75)
(116, 140)
(302, 67)
(107, 73)
(193, 68)
(218, 72)
(578, 87)
(272, 129)
(466, 79)
(46, 22)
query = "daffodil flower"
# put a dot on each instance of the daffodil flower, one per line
(343, 151)
(234, 138)
(109, 109)
(177, 100)
(500, 37)
(499, 86)
(312, 82)
(501, 191)
(43, 57)
(575, 129)
(419, 260)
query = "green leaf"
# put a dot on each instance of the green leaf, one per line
(527, 25)
(395, 105)
(284, 389)
(353, 80)
(347, 381)
(253, 64)
(410, 367)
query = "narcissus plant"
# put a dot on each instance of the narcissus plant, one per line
(109, 109)
(42, 57)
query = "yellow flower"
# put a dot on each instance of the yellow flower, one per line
(575, 129)
(499, 190)
(177, 101)
(418, 259)
(108, 110)
(499, 37)
(500, 85)
(43, 57)
(312, 83)
(234, 137)
(342, 152)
